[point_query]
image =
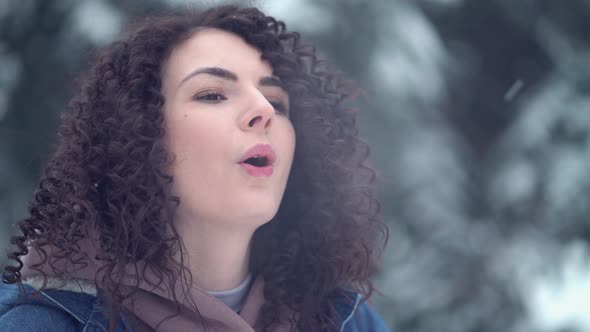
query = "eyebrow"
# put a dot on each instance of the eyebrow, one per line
(230, 76)
(271, 81)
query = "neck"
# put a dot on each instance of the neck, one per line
(217, 255)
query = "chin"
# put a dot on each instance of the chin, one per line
(260, 217)
(258, 207)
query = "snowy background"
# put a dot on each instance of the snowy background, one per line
(478, 113)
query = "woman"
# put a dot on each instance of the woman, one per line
(209, 177)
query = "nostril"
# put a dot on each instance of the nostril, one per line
(253, 121)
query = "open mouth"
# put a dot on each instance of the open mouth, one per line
(257, 161)
(258, 166)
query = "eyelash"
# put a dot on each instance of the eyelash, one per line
(215, 96)
(206, 96)
(279, 107)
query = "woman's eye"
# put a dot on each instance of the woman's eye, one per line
(279, 107)
(210, 96)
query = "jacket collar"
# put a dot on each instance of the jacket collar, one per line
(88, 310)
(153, 304)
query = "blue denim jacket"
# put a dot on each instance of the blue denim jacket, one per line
(64, 311)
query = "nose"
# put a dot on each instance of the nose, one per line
(258, 116)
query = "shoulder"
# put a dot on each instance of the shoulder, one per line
(358, 315)
(20, 312)
(365, 318)
(28, 317)
(25, 309)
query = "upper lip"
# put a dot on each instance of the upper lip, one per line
(260, 150)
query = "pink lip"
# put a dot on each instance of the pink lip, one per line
(261, 150)
(257, 171)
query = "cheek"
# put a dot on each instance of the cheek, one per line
(288, 141)
(190, 136)
(290, 137)
(196, 145)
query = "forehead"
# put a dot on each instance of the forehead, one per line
(215, 48)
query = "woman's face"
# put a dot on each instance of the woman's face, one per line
(221, 101)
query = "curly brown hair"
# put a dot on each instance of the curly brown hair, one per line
(109, 175)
